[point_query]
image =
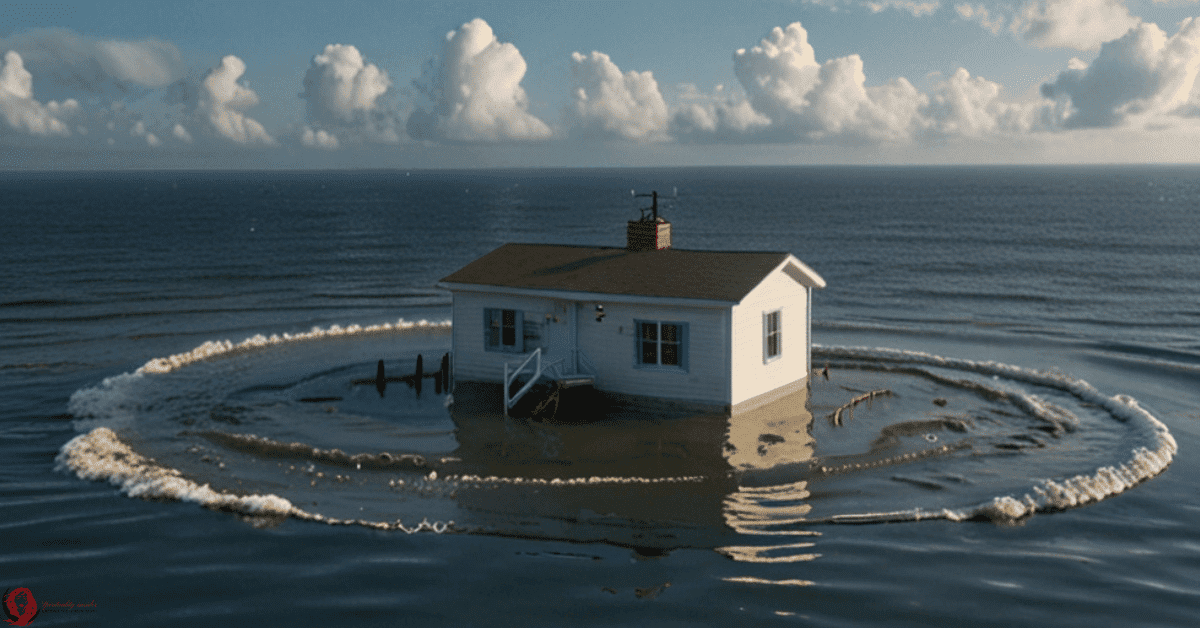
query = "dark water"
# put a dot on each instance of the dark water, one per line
(1069, 275)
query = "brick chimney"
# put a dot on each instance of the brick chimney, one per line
(650, 233)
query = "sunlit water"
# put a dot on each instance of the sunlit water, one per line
(1035, 333)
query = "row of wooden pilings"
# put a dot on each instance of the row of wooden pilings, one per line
(441, 377)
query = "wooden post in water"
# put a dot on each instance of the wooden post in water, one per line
(380, 379)
(419, 375)
(446, 372)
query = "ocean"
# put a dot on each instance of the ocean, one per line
(191, 431)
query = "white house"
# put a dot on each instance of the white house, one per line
(715, 327)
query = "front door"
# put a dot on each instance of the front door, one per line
(560, 336)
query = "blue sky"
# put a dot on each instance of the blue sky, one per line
(449, 84)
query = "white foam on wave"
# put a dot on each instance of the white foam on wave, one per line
(101, 455)
(1050, 494)
(215, 348)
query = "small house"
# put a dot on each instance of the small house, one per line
(716, 327)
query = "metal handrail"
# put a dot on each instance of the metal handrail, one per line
(510, 400)
(584, 363)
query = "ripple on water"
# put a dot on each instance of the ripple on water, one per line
(234, 427)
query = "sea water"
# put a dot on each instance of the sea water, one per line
(192, 432)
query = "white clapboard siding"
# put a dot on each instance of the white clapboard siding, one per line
(751, 374)
(611, 344)
(472, 361)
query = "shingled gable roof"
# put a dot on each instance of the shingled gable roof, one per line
(669, 273)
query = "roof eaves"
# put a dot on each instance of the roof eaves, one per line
(577, 295)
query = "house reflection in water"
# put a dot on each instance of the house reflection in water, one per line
(625, 471)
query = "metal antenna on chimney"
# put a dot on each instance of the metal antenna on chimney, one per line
(653, 208)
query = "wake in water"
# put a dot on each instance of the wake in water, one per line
(280, 427)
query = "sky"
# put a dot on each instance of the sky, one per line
(357, 84)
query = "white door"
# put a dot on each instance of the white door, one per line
(560, 336)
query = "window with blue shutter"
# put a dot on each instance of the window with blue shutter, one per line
(503, 330)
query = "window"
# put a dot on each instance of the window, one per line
(661, 344)
(503, 330)
(772, 338)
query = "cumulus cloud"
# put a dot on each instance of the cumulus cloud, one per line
(139, 130)
(22, 111)
(181, 133)
(718, 116)
(814, 101)
(224, 102)
(981, 15)
(968, 106)
(917, 9)
(789, 96)
(319, 139)
(1140, 75)
(475, 93)
(92, 64)
(1078, 24)
(607, 103)
(344, 94)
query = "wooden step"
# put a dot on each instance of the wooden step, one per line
(575, 379)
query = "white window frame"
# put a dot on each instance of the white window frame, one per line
(681, 344)
(494, 314)
(772, 350)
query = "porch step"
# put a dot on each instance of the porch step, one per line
(575, 379)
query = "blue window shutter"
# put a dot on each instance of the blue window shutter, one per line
(488, 313)
(519, 346)
(683, 346)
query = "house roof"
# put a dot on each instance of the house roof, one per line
(669, 273)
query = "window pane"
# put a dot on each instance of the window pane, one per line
(772, 345)
(670, 354)
(649, 331)
(670, 333)
(649, 352)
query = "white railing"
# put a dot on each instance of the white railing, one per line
(584, 364)
(509, 400)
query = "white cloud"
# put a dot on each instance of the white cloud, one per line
(971, 107)
(981, 14)
(88, 63)
(344, 94)
(606, 102)
(790, 97)
(22, 111)
(1137, 77)
(917, 9)
(475, 92)
(319, 139)
(811, 101)
(224, 101)
(181, 133)
(1078, 24)
(715, 117)
(139, 130)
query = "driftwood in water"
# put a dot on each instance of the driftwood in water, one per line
(836, 416)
